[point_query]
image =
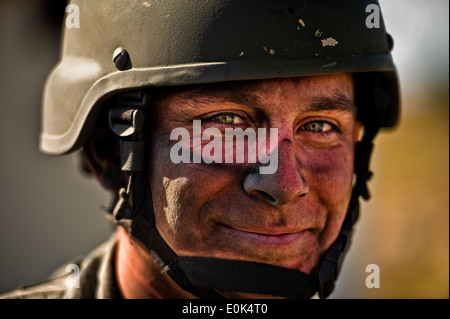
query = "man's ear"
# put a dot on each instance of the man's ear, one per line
(101, 157)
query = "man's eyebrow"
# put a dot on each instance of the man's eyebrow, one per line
(337, 101)
(224, 95)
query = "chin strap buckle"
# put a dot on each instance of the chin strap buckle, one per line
(126, 119)
(127, 116)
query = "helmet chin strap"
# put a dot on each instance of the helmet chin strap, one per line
(204, 276)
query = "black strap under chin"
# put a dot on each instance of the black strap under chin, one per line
(246, 276)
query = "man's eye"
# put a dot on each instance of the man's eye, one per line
(317, 127)
(226, 118)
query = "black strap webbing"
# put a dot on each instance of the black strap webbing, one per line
(247, 277)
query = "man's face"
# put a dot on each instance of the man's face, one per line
(230, 210)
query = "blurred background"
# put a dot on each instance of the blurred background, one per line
(51, 213)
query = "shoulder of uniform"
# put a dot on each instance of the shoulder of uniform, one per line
(98, 265)
(54, 288)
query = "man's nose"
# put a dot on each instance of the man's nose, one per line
(283, 186)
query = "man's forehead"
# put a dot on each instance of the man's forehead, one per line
(319, 92)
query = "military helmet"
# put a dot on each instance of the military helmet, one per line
(123, 45)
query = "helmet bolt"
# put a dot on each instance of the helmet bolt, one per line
(121, 58)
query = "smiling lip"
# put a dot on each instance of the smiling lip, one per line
(284, 239)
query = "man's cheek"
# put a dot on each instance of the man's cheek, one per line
(330, 176)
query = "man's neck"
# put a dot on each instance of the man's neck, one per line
(138, 275)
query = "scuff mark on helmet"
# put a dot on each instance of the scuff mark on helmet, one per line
(329, 42)
(328, 65)
(271, 51)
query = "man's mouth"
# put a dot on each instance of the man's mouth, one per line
(264, 238)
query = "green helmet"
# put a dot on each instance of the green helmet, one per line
(122, 46)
